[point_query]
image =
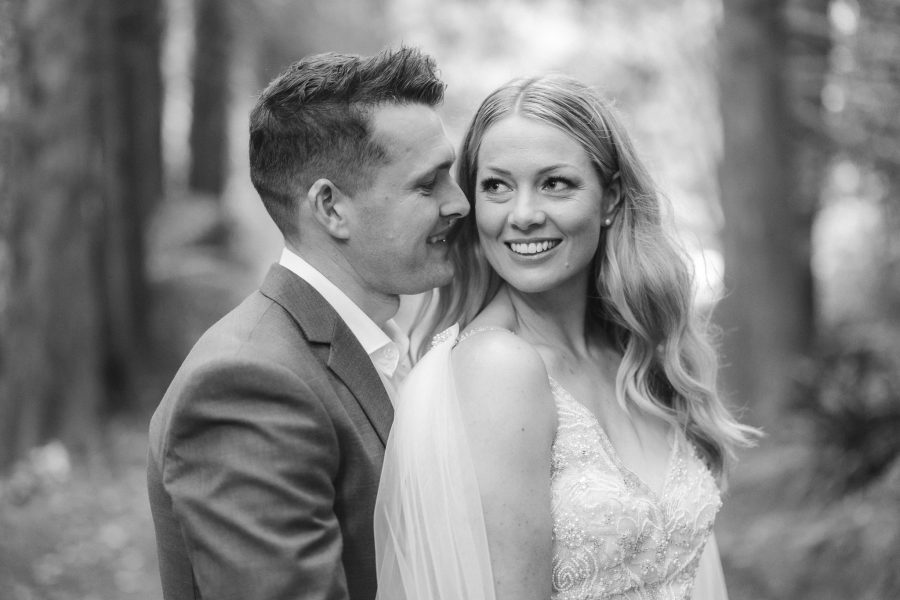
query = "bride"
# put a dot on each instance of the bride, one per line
(568, 443)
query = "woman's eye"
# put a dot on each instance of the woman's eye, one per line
(557, 184)
(493, 186)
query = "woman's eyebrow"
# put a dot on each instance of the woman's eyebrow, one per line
(543, 171)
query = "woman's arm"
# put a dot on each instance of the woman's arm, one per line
(510, 421)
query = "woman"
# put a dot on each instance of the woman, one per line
(571, 445)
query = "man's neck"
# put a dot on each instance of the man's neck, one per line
(377, 306)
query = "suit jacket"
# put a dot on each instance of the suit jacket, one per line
(265, 455)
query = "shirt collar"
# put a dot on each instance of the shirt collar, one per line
(384, 347)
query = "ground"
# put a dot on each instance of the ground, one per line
(82, 532)
(87, 534)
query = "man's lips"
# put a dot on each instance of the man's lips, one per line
(532, 247)
(442, 236)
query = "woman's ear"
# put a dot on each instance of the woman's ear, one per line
(611, 200)
(329, 207)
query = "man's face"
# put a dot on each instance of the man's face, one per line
(398, 238)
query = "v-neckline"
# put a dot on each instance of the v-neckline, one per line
(606, 443)
(626, 472)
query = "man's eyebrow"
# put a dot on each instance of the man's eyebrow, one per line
(498, 170)
(441, 166)
(448, 162)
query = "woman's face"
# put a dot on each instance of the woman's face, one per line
(538, 205)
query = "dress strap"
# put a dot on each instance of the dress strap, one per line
(470, 332)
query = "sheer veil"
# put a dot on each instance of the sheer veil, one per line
(430, 538)
(709, 583)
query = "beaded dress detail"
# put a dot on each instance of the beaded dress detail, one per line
(614, 537)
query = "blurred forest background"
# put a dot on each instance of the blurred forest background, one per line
(128, 225)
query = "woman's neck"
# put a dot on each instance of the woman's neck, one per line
(556, 318)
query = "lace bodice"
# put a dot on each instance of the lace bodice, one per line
(614, 537)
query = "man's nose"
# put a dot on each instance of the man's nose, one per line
(455, 204)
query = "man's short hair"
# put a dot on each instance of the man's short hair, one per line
(314, 121)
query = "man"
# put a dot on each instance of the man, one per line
(266, 450)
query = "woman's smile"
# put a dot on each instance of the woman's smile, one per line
(532, 248)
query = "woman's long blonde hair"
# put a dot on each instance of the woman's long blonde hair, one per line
(642, 300)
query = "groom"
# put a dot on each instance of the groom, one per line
(266, 450)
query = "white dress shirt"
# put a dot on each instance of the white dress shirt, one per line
(388, 348)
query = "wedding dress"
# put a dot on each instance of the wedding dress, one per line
(613, 537)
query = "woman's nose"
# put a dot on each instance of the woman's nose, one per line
(526, 212)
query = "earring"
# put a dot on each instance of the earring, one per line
(607, 222)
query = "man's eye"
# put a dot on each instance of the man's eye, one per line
(427, 186)
(493, 186)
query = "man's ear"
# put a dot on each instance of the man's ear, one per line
(612, 199)
(330, 207)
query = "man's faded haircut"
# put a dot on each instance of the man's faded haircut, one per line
(314, 121)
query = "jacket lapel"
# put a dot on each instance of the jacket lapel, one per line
(350, 362)
(347, 359)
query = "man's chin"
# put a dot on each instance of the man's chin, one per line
(437, 278)
(445, 275)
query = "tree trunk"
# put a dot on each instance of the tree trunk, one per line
(808, 50)
(211, 71)
(132, 135)
(51, 342)
(80, 172)
(768, 313)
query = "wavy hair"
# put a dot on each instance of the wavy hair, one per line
(642, 297)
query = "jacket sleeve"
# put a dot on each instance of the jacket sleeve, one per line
(250, 463)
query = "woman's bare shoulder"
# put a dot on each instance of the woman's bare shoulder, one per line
(496, 351)
(497, 374)
(489, 342)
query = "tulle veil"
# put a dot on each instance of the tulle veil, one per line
(430, 539)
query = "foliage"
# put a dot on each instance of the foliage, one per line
(864, 91)
(849, 406)
(820, 495)
(79, 532)
(845, 548)
(850, 398)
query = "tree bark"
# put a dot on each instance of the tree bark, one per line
(80, 172)
(768, 315)
(52, 363)
(132, 134)
(808, 51)
(211, 71)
